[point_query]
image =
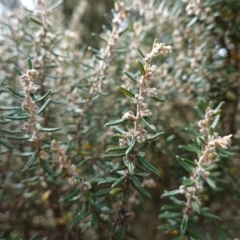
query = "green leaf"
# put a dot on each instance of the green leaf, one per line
(211, 183)
(170, 215)
(199, 111)
(32, 160)
(219, 106)
(188, 165)
(117, 149)
(89, 198)
(188, 183)
(158, 99)
(55, 5)
(131, 145)
(149, 123)
(6, 144)
(143, 147)
(147, 165)
(126, 92)
(44, 106)
(30, 65)
(35, 20)
(118, 169)
(101, 192)
(112, 156)
(16, 118)
(50, 129)
(208, 215)
(130, 76)
(193, 132)
(81, 215)
(70, 196)
(10, 88)
(184, 224)
(94, 219)
(154, 136)
(172, 207)
(84, 161)
(44, 96)
(46, 167)
(116, 191)
(119, 181)
(203, 104)
(190, 148)
(195, 206)
(141, 68)
(195, 230)
(115, 122)
(18, 71)
(108, 180)
(171, 193)
(137, 185)
(215, 123)
(140, 52)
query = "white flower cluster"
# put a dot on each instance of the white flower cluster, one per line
(28, 105)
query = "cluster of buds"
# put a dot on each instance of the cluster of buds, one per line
(28, 105)
(207, 157)
(158, 48)
(194, 7)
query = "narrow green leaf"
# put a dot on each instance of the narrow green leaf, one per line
(10, 88)
(130, 76)
(193, 132)
(55, 5)
(6, 144)
(203, 104)
(172, 207)
(70, 196)
(117, 149)
(108, 180)
(141, 68)
(140, 52)
(149, 123)
(143, 147)
(119, 181)
(188, 183)
(89, 198)
(32, 160)
(195, 230)
(204, 143)
(154, 136)
(137, 185)
(167, 215)
(209, 215)
(131, 145)
(158, 99)
(116, 191)
(18, 71)
(84, 161)
(44, 96)
(130, 165)
(199, 111)
(118, 169)
(184, 224)
(50, 129)
(147, 165)
(142, 175)
(195, 206)
(16, 118)
(81, 215)
(30, 65)
(44, 106)
(215, 123)
(190, 148)
(35, 20)
(115, 122)
(46, 166)
(94, 219)
(219, 106)
(112, 156)
(126, 92)
(171, 193)
(101, 192)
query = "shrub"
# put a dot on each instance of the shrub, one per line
(92, 137)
